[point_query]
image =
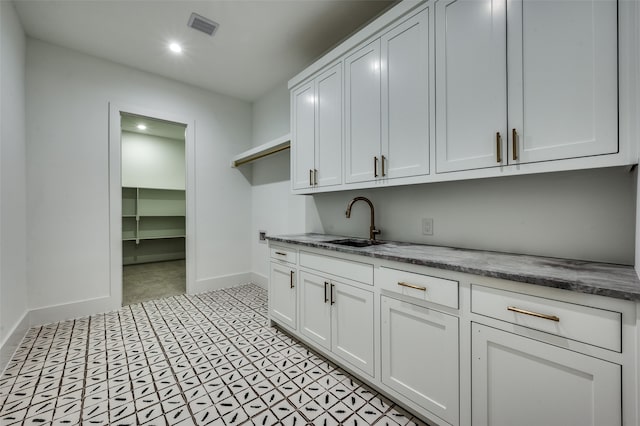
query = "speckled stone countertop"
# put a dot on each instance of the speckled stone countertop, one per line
(603, 279)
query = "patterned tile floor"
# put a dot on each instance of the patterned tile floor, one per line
(210, 358)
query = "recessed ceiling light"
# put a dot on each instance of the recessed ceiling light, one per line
(141, 127)
(175, 47)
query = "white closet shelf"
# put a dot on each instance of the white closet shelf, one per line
(161, 215)
(153, 237)
(261, 151)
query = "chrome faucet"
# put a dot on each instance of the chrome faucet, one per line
(372, 229)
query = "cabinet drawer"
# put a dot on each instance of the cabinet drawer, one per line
(424, 287)
(284, 254)
(594, 326)
(361, 272)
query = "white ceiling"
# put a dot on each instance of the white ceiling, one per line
(259, 43)
(155, 127)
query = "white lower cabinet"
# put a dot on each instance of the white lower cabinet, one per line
(282, 294)
(352, 325)
(338, 317)
(462, 350)
(315, 311)
(520, 381)
(420, 356)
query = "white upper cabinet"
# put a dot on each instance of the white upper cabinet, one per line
(328, 148)
(316, 131)
(387, 104)
(441, 90)
(405, 98)
(363, 109)
(561, 61)
(303, 136)
(471, 84)
(563, 95)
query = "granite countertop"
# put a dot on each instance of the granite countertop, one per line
(604, 279)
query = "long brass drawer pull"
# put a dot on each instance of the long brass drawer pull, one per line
(533, 314)
(375, 167)
(383, 161)
(326, 299)
(310, 177)
(291, 278)
(498, 147)
(333, 300)
(315, 177)
(514, 143)
(417, 287)
(279, 253)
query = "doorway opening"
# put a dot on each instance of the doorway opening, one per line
(153, 187)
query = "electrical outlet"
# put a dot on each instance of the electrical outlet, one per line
(427, 226)
(262, 236)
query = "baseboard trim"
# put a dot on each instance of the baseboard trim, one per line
(11, 342)
(67, 311)
(260, 280)
(223, 281)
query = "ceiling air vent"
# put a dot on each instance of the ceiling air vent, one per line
(200, 23)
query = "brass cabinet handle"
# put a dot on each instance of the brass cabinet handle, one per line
(291, 278)
(383, 159)
(315, 176)
(375, 166)
(533, 314)
(499, 147)
(417, 287)
(310, 177)
(326, 299)
(333, 300)
(279, 253)
(514, 143)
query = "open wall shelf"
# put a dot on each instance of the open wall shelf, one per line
(261, 151)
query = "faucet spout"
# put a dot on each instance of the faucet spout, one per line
(372, 228)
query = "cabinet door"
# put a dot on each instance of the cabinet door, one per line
(471, 84)
(352, 325)
(420, 356)
(524, 382)
(405, 98)
(563, 78)
(328, 151)
(362, 112)
(315, 309)
(282, 295)
(302, 135)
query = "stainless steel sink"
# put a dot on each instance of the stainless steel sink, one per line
(356, 242)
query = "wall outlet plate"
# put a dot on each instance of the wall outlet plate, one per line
(427, 226)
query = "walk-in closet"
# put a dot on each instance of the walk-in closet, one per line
(153, 208)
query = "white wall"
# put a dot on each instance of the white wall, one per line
(274, 209)
(150, 161)
(13, 281)
(588, 215)
(68, 97)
